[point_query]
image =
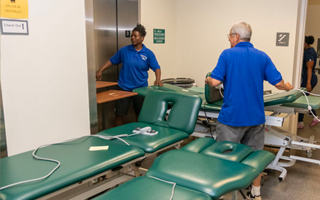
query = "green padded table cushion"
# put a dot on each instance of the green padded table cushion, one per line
(215, 106)
(149, 144)
(77, 164)
(147, 188)
(199, 90)
(269, 100)
(198, 145)
(213, 176)
(143, 91)
(302, 102)
(281, 98)
(235, 152)
(183, 113)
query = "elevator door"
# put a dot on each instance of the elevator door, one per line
(111, 19)
(105, 35)
(106, 24)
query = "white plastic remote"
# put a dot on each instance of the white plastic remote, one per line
(145, 131)
(151, 132)
(142, 130)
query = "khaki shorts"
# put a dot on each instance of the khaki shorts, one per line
(252, 136)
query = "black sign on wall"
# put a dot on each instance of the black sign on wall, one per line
(127, 34)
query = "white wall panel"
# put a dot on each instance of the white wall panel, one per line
(44, 77)
(155, 14)
(202, 27)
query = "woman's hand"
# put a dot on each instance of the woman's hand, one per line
(158, 83)
(98, 75)
(309, 88)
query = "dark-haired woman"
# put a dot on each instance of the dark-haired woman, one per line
(309, 78)
(136, 61)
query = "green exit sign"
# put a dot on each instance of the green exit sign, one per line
(159, 36)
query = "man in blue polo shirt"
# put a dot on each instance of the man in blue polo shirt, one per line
(242, 70)
(136, 61)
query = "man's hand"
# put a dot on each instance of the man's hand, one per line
(309, 88)
(98, 75)
(158, 83)
(206, 81)
(288, 86)
(283, 86)
(212, 82)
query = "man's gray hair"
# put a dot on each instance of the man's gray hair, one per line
(243, 29)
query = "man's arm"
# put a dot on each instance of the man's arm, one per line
(283, 86)
(212, 82)
(309, 73)
(99, 73)
(158, 81)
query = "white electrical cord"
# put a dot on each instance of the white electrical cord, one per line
(58, 162)
(309, 107)
(220, 91)
(173, 183)
(303, 92)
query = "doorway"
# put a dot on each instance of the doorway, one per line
(108, 28)
(313, 28)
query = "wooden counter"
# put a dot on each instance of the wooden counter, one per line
(102, 84)
(111, 95)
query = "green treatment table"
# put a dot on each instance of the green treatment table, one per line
(179, 125)
(269, 100)
(279, 106)
(201, 170)
(79, 166)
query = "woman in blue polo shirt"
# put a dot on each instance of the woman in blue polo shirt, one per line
(136, 61)
(309, 78)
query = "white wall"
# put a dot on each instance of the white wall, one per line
(44, 77)
(44, 74)
(155, 14)
(196, 33)
(200, 30)
(313, 28)
(202, 27)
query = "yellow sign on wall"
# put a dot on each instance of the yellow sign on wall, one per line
(15, 9)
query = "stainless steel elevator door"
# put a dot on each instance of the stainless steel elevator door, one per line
(111, 19)
(105, 35)
(106, 22)
(127, 20)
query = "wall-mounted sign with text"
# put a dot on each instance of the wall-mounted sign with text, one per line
(282, 39)
(14, 9)
(14, 27)
(158, 36)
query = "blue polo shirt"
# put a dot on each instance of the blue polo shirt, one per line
(135, 66)
(242, 70)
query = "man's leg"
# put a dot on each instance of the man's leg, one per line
(257, 181)
(229, 133)
(254, 137)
